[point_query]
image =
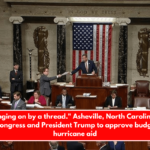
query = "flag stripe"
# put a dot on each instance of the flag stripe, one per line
(109, 53)
(77, 61)
(97, 45)
(89, 54)
(106, 52)
(103, 51)
(100, 48)
(94, 42)
(74, 64)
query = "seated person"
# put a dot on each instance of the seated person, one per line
(116, 145)
(37, 99)
(64, 100)
(0, 93)
(102, 145)
(18, 103)
(74, 145)
(54, 146)
(113, 100)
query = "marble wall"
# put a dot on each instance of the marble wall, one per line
(133, 45)
(28, 42)
(6, 46)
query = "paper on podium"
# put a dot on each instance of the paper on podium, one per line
(65, 73)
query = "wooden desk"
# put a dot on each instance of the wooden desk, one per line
(101, 92)
(85, 102)
(4, 105)
(89, 81)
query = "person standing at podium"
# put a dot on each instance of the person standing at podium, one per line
(16, 79)
(45, 87)
(87, 66)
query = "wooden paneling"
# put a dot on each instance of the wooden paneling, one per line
(89, 102)
(89, 81)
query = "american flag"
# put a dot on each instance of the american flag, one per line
(95, 41)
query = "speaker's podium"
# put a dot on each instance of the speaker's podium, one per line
(88, 80)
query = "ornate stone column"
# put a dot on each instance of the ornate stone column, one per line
(17, 43)
(61, 46)
(123, 49)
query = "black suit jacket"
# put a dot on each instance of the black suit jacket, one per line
(91, 67)
(74, 146)
(60, 148)
(109, 101)
(17, 82)
(20, 106)
(106, 147)
(68, 100)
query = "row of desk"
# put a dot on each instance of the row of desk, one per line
(45, 146)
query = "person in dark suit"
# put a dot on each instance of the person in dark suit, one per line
(113, 100)
(87, 66)
(75, 146)
(16, 80)
(54, 146)
(17, 103)
(45, 87)
(102, 145)
(64, 100)
(116, 145)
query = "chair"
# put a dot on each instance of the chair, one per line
(142, 88)
(142, 102)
